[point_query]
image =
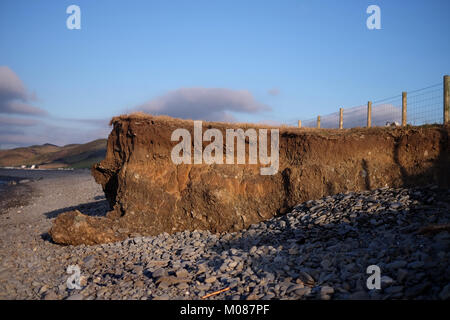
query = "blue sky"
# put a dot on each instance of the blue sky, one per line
(260, 60)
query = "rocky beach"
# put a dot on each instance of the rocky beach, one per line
(319, 250)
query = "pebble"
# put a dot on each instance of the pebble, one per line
(396, 264)
(294, 287)
(210, 279)
(77, 296)
(445, 293)
(359, 295)
(161, 272)
(303, 291)
(393, 289)
(386, 281)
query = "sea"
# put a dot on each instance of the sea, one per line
(3, 188)
(3, 183)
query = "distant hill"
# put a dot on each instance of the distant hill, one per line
(51, 156)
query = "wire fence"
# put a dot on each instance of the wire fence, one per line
(418, 107)
(425, 105)
(387, 111)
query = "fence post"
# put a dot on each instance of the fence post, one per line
(341, 118)
(369, 114)
(446, 99)
(403, 109)
(299, 123)
(318, 122)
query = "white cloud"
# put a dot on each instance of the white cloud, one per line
(14, 97)
(22, 124)
(8, 122)
(213, 104)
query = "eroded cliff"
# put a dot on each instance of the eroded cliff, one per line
(149, 194)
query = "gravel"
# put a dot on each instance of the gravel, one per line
(320, 250)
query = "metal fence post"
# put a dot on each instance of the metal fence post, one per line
(446, 99)
(369, 114)
(403, 109)
(299, 123)
(341, 118)
(318, 122)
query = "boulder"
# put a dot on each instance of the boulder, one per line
(75, 228)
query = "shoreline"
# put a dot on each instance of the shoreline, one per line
(18, 190)
(14, 193)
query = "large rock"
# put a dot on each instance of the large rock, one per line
(75, 228)
(150, 194)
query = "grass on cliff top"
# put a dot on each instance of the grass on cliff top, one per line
(284, 129)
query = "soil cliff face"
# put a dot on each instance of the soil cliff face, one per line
(150, 194)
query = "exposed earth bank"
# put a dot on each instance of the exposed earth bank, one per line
(150, 194)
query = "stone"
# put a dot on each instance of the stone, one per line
(359, 295)
(50, 295)
(77, 296)
(162, 297)
(43, 289)
(396, 264)
(445, 293)
(202, 268)
(294, 287)
(306, 278)
(161, 272)
(416, 265)
(396, 205)
(89, 261)
(157, 263)
(386, 281)
(182, 286)
(393, 289)
(210, 279)
(75, 228)
(326, 290)
(401, 275)
(303, 291)
(416, 290)
(268, 296)
(182, 273)
(170, 280)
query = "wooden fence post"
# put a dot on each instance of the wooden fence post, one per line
(318, 122)
(299, 123)
(341, 118)
(369, 114)
(446, 99)
(403, 109)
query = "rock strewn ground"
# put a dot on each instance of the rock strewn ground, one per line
(318, 251)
